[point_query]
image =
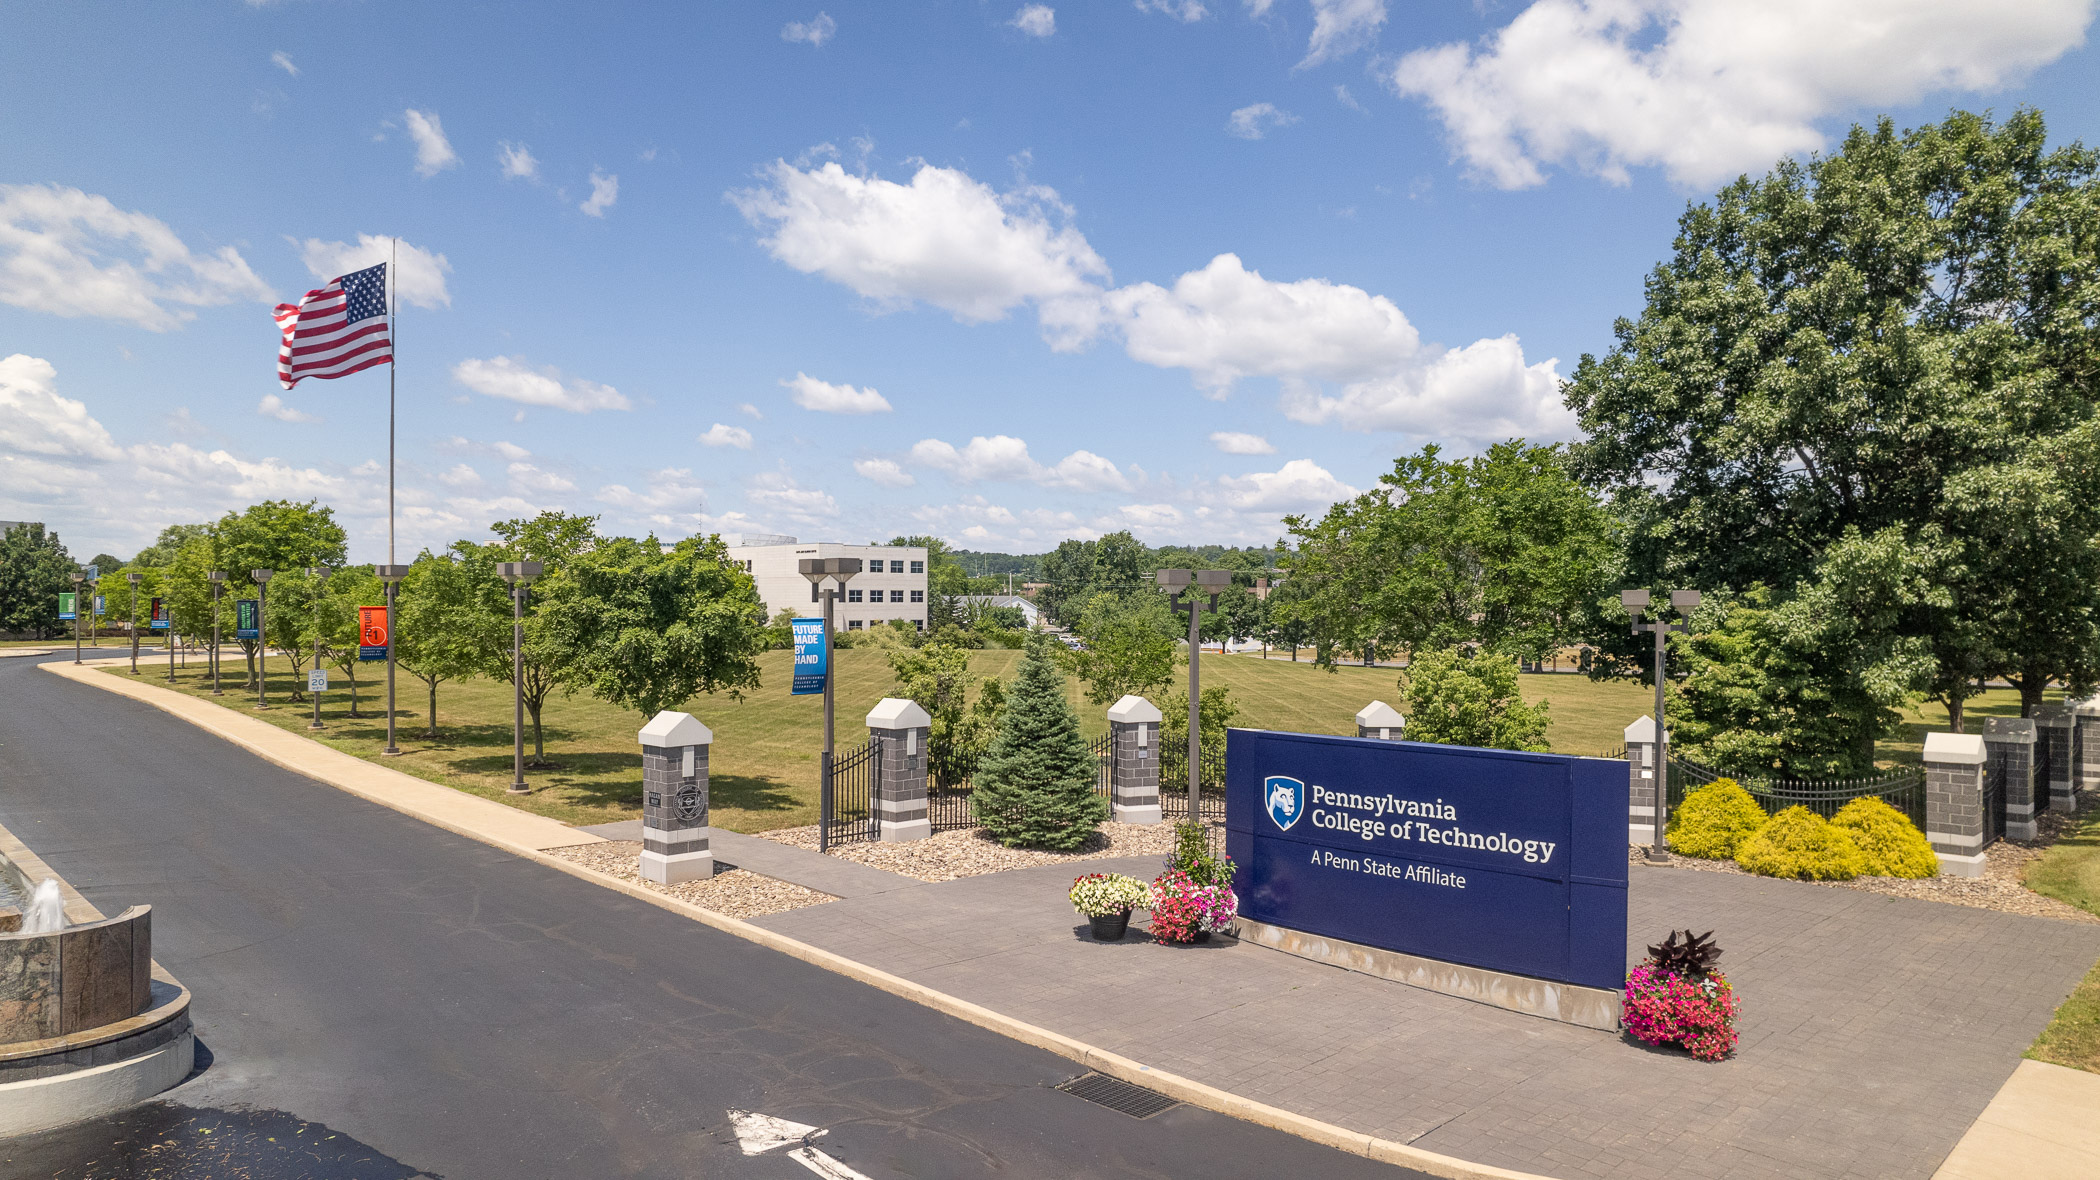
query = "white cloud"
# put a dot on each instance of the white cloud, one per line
(74, 254)
(1225, 322)
(1706, 89)
(1342, 95)
(604, 191)
(778, 493)
(885, 472)
(512, 379)
(721, 435)
(816, 31)
(1478, 393)
(1341, 27)
(943, 239)
(527, 478)
(517, 161)
(1036, 20)
(1234, 443)
(1188, 12)
(510, 450)
(1150, 515)
(1003, 457)
(461, 476)
(1253, 122)
(1087, 472)
(1298, 486)
(37, 421)
(434, 152)
(283, 61)
(273, 406)
(419, 276)
(826, 398)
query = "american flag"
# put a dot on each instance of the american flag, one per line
(336, 330)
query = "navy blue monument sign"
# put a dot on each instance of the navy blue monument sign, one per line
(1496, 859)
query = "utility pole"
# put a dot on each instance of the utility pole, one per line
(1636, 603)
(840, 570)
(218, 587)
(1209, 583)
(262, 636)
(319, 574)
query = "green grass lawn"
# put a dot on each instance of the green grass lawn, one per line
(2070, 872)
(763, 766)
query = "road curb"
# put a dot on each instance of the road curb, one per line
(1181, 1089)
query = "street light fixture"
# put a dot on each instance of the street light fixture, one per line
(319, 574)
(520, 575)
(262, 636)
(134, 580)
(1637, 602)
(1210, 583)
(392, 575)
(77, 580)
(218, 587)
(840, 570)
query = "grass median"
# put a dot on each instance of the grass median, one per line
(2070, 872)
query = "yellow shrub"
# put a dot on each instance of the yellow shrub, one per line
(1799, 843)
(1891, 845)
(1714, 820)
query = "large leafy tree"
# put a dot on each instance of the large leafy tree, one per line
(937, 677)
(34, 569)
(442, 630)
(1130, 645)
(1471, 702)
(555, 540)
(1898, 342)
(281, 535)
(1502, 549)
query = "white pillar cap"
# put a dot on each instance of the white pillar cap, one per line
(1134, 709)
(670, 728)
(1379, 715)
(897, 713)
(1642, 731)
(1954, 747)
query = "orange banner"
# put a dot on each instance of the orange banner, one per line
(371, 632)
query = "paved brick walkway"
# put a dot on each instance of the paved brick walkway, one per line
(1876, 1029)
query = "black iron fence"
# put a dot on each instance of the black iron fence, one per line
(949, 774)
(1902, 789)
(1174, 783)
(849, 804)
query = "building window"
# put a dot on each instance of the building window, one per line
(919, 624)
(896, 567)
(852, 596)
(918, 596)
(896, 596)
(852, 624)
(918, 567)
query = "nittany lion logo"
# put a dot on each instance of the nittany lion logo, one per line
(1286, 800)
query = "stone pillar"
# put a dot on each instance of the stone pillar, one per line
(1642, 781)
(1382, 721)
(2052, 750)
(1954, 769)
(674, 799)
(2085, 743)
(1133, 761)
(2009, 745)
(900, 729)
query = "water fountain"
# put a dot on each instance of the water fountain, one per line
(47, 910)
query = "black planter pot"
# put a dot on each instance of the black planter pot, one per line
(1201, 936)
(1110, 927)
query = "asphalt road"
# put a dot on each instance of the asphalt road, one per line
(375, 997)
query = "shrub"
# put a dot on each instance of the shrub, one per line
(1098, 895)
(1474, 701)
(1194, 856)
(1714, 820)
(1183, 908)
(1888, 842)
(1035, 785)
(1801, 844)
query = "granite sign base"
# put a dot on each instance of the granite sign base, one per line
(1584, 1007)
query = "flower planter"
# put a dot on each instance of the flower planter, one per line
(1110, 927)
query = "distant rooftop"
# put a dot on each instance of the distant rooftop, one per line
(744, 539)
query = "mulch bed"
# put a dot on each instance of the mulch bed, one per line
(946, 856)
(735, 893)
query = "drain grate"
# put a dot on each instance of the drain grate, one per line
(1117, 1095)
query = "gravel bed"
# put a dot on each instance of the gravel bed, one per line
(2004, 868)
(735, 893)
(946, 856)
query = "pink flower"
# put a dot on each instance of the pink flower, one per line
(1667, 1009)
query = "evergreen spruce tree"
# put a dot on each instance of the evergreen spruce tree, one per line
(1035, 785)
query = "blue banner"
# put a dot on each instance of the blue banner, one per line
(160, 614)
(1497, 859)
(811, 656)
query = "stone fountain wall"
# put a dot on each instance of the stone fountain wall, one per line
(75, 979)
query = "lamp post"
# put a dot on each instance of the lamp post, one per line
(262, 636)
(392, 575)
(218, 587)
(134, 580)
(1636, 603)
(1211, 583)
(817, 570)
(319, 574)
(167, 607)
(77, 580)
(520, 575)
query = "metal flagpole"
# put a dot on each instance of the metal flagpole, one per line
(393, 281)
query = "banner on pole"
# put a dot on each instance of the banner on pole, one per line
(160, 614)
(247, 618)
(98, 602)
(66, 599)
(372, 638)
(811, 654)
(93, 572)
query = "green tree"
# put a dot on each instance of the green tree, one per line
(1472, 701)
(1035, 786)
(34, 569)
(1893, 342)
(441, 631)
(1503, 549)
(1068, 571)
(647, 629)
(335, 616)
(1213, 715)
(1130, 645)
(937, 677)
(171, 540)
(555, 540)
(280, 535)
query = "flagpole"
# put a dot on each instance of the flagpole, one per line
(393, 580)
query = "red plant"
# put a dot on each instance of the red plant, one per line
(1697, 1011)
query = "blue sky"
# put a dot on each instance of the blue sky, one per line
(1003, 273)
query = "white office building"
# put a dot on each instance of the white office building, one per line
(893, 585)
